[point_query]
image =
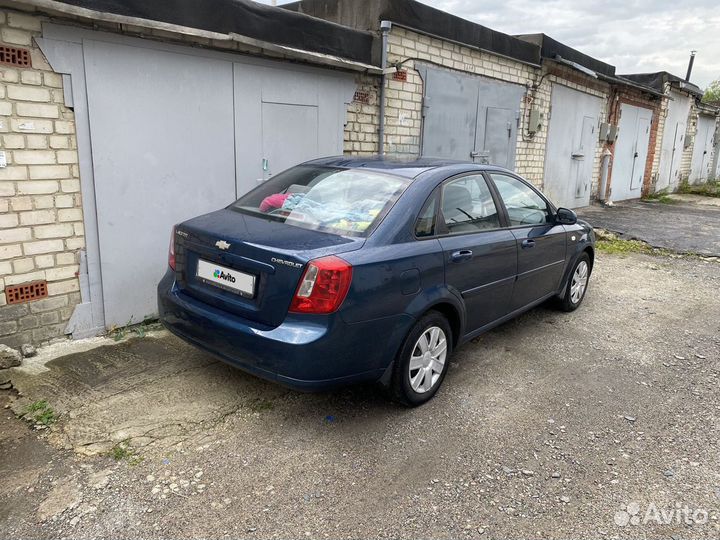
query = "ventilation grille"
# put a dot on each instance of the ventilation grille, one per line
(400, 75)
(14, 56)
(26, 292)
(362, 97)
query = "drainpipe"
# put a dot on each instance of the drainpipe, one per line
(384, 30)
(604, 170)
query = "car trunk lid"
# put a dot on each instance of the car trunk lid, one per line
(246, 265)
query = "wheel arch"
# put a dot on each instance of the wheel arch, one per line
(590, 250)
(450, 312)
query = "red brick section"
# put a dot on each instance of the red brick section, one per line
(15, 56)
(633, 96)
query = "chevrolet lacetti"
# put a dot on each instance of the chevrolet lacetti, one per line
(343, 270)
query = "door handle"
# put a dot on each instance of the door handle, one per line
(527, 244)
(462, 255)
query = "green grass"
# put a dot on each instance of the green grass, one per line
(138, 329)
(608, 242)
(661, 197)
(709, 189)
(122, 451)
(40, 412)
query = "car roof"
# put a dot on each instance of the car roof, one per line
(408, 168)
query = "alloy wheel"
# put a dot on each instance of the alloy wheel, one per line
(579, 282)
(428, 359)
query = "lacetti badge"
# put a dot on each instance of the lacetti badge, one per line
(219, 274)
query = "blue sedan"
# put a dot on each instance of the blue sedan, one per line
(343, 270)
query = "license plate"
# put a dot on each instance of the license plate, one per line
(226, 278)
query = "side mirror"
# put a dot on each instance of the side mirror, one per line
(565, 216)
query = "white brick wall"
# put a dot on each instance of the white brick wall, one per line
(41, 226)
(659, 140)
(690, 131)
(361, 120)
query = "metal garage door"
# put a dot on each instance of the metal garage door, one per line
(468, 117)
(178, 132)
(672, 142)
(703, 149)
(631, 151)
(572, 143)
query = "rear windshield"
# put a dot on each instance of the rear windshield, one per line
(343, 201)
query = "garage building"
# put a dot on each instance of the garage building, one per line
(124, 118)
(636, 110)
(675, 147)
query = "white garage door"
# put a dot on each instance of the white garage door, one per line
(571, 147)
(673, 141)
(631, 152)
(702, 149)
(178, 132)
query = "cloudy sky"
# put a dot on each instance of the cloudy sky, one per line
(634, 35)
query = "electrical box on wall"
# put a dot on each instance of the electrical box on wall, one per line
(689, 141)
(612, 134)
(604, 130)
(535, 121)
(608, 132)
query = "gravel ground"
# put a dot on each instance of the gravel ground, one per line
(599, 423)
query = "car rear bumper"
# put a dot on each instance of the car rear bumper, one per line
(306, 352)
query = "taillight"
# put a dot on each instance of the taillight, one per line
(171, 251)
(323, 286)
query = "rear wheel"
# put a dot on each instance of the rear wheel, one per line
(577, 284)
(423, 360)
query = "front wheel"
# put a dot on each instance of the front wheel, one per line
(423, 360)
(577, 284)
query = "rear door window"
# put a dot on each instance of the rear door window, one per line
(467, 205)
(343, 201)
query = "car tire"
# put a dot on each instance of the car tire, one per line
(577, 284)
(423, 360)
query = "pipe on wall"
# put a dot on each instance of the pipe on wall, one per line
(385, 27)
(604, 170)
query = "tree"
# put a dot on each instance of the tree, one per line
(712, 93)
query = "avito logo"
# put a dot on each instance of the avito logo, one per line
(222, 275)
